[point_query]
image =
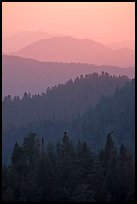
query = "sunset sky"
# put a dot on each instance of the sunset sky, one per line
(103, 22)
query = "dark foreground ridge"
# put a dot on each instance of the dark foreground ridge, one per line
(40, 171)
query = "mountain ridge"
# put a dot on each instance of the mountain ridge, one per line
(68, 49)
(16, 70)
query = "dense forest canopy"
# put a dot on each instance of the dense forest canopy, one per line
(62, 101)
(114, 111)
(81, 167)
(68, 173)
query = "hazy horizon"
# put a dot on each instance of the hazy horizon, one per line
(102, 33)
(105, 22)
(68, 67)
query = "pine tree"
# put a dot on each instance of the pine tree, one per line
(126, 176)
(86, 171)
(7, 191)
(31, 149)
(18, 159)
(108, 158)
(110, 153)
(67, 166)
(32, 155)
(68, 173)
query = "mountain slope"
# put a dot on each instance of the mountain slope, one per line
(114, 113)
(61, 101)
(22, 39)
(67, 49)
(125, 43)
(28, 75)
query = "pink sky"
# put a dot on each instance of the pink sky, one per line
(103, 22)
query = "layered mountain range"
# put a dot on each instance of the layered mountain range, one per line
(28, 75)
(67, 49)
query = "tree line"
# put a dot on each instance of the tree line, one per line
(115, 112)
(67, 172)
(61, 102)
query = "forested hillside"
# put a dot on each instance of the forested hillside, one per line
(24, 74)
(112, 113)
(62, 101)
(68, 173)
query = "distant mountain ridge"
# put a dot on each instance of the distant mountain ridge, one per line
(19, 40)
(125, 43)
(29, 75)
(68, 49)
